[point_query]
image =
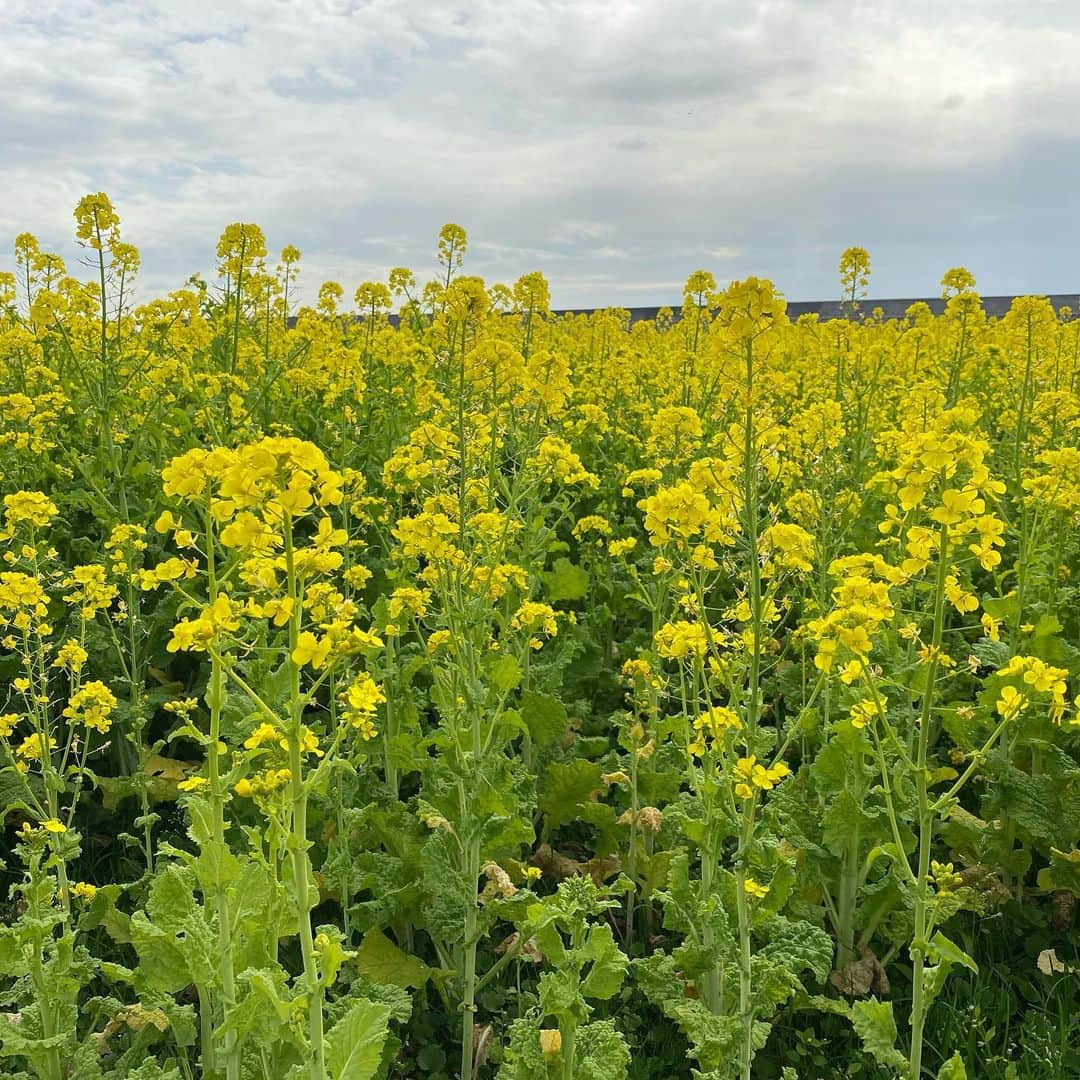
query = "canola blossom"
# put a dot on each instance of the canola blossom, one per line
(433, 684)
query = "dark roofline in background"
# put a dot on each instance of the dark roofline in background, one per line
(994, 306)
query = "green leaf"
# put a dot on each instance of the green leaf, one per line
(171, 900)
(608, 964)
(566, 581)
(380, 959)
(523, 1058)
(216, 864)
(993, 654)
(944, 949)
(12, 961)
(601, 1052)
(544, 716)
(1063, 872)
(953, 1069)
(505, 673)
(1005, 608)
(333, 953)
(449, 891)
(162, 963)
(354, 1044)
(1047, 626)
(560, 999)
(845, 815)
(797, 946)
(566, 787)
(875, 1025)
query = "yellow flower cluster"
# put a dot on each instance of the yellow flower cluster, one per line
(750, 775)
(535, 618)
(555, 462)
(861, 606)
(282, 476)
(1056, 484)
(359, 703)
(92, 705)
(941, 478)
(682, 640)
(30, 507)
(710, 729)
(683, 512)
(1036, 677)
(22, 599)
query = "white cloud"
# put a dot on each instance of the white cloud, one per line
(615, 145)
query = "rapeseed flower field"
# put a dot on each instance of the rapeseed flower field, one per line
(486, 693)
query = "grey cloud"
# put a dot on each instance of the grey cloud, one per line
(615, 145)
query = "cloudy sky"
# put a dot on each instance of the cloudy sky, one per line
(616, 145)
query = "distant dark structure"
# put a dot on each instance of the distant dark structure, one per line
(994, 306)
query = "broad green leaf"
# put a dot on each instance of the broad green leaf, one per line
(449, 891)
(566, 581)
(560, 999)
(162, 963)
(944, 949)
(545, 717)
(1063, 872)
(380, 959)
(953, 1069)
(565, 787)
(875, 1024)
(608, 968)
(171, 900)
(505, 673)
(1047, 626)
(601, 1052)
(12, 961)
(993, 654)
(1004, 608)
(354, 1044)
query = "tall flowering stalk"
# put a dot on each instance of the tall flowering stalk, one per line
(255, 506)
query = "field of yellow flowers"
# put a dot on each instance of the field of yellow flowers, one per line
(483, 693)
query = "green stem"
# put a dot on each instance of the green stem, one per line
(216, 699)
(849, 884)
(569, 1039)
(206, 1032)
(632, 852)
(299, 841)
(713, 980)
(919, 1004)
(468, 1002)
(746, 1008)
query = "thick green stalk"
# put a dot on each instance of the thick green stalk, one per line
(226, 973)
(919, 1005)
(631, 863)
(750, 496)
(216, 698)
(52, 1069)
(568, 1049)
(206, 1031)
(299, 842)
(746, 1007)
(712, 987)
(468, 998)
(390, 728)
(849, 884)
(472, 876)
